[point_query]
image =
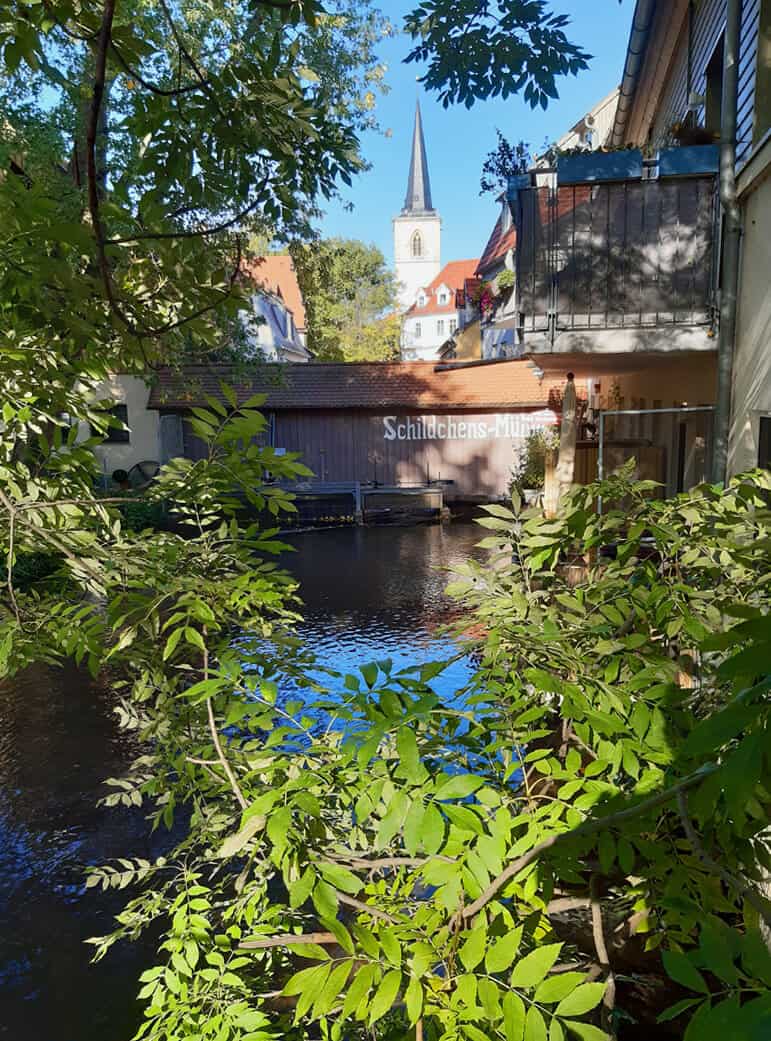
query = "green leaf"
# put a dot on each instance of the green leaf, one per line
(413, 999)
(459, 787)
(683, 971)
(409, 757)
(677, 1010)
(585, 1031)
(473, 950)
(535, 1025)
(325, 900)
(433, 830)
(584, 998)
(171, 643)
(413, 826)
(369, 672)
(385, 995)
(513, 1017)
(306, 979)
(340, 877)
(502, 952)
(534, 967)
(555, 988)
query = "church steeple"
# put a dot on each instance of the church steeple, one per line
(418, 197)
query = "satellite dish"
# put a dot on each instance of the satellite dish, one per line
(589, 121)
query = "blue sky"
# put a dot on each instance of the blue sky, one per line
(458, 139)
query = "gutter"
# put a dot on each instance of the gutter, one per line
(732, 235)
(638, 44)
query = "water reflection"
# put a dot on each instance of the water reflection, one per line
(369, 594)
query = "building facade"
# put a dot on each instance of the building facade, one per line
(417, 230)
(674, 94)
(440, 310)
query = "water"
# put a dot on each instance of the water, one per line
(369, 594)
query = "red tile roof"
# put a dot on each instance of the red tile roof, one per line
(276, 273)
(452, 275)
(365, 385)
(498, 245)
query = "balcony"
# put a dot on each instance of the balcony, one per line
(613, 266)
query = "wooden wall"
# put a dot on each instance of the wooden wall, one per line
(709, 17)
(351, 446)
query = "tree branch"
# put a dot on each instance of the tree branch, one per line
(216, 741)
(288, 940)
(588, 827)
(744, 889)
(598, 934)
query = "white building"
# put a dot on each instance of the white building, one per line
(280, 327)
(418, 228)
(440, 310)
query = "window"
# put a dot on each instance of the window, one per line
(444, 296)
(714, 98)
(421, 299)
(417, 330)
(453, 324)
(417, 245)
(440, 327)
(113, 435)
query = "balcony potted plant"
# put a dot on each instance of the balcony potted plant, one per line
(580, 166)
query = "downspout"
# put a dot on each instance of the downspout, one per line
(732, 232)
(638, 43)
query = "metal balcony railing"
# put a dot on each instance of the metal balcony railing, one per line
(622, 255)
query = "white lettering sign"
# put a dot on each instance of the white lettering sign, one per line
(513, 426)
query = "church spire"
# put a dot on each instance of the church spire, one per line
(418, 198)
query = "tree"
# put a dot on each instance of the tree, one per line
(497, 48)
(503, 162)
(347, 287)
(427, 859)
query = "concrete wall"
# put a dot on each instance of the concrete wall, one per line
(752, 360)
(413, 273)
(143, 424)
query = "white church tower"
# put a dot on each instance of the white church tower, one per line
(418, 228)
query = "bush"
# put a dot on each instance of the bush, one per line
(530, 471)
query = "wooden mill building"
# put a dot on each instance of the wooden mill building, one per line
(395, 424)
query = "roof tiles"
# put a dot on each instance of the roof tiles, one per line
(364, 385)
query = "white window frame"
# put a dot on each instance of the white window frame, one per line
(418, 330)
(440, 327)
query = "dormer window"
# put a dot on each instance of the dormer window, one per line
(421, 299)
(416, 245)
(444, 296)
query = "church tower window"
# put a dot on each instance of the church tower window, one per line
(417, 245)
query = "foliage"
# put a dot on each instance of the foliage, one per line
(347, 286)
(506, 279)
(505, 161)
(139, 514)
(613, 747)
(480, 50)
(344, 855)
(531, 465)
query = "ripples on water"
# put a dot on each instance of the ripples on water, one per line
(369, 594)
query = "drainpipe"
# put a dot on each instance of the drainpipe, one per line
(732, 233)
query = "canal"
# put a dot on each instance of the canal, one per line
(369, 593)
